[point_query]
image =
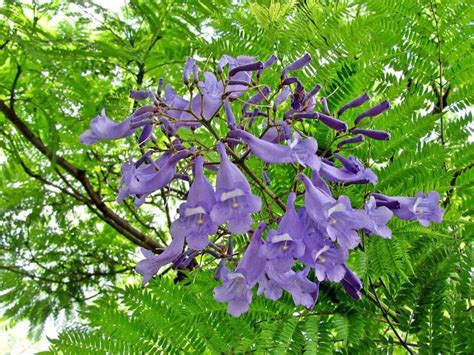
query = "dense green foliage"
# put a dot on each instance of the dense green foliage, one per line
(63, 252)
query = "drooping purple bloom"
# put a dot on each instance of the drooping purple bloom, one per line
(235, 90)
(285, 244)
(320, 252)
(152, 263)
(352, 284)
(282, 97)
(353, 172)
(194, 221)
(229, 115)
(236, 289)
(378, 135)
(252, 264)
(235, 201)
(422, 207)
(352, 140)
(301, 151)
(269, 62)
(332, 122)
(308, 101)
(374, 111)
(336, 218)
(298, 96)
(329, 121)
(103, 128)
(303, 291)
(378, 218)
(324, 103)
(188, 69)
(354, 103)
(297, 64)
(209, 100)
(175, 107)
(246, 68)
(139, 95)
(147, 179)
(320, 184)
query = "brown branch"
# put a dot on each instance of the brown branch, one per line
(452, 183)
(385, 315)
(110, 217)
(4, 44)
(15, 82)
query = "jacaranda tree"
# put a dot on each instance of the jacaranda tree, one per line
(256, 153)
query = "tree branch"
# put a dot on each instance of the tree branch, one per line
(452, 183)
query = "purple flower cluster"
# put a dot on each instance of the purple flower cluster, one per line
(293, 252)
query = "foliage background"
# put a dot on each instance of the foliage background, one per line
(66, 252)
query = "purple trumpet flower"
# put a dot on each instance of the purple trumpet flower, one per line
(329, 261)
(282, 97)
(229, 115)
(352, 284)
(329, 121)
(336, 218)
(148, 179)
(252, 264)
(374, 111)
(235, 201)
(320, 184)
(246, 68)
(378, 218)
(320, 252)
(269, 62)
(354, 103)
(188, 69)
(422, 207)
(280, 132)
(324, 103)
(245, 77)
(174, 107)
(139, 95)
(285, 244)
(301, 151)
(103, 128)
(152, 263)
(303, 291)
(357, 139)
(332, 122)
(194, 222)
(378, 135)
(353, 172)
(146, 134)
(310, 96)
(236, 289)
(175, 104)
(297, 64)
(206, 104)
